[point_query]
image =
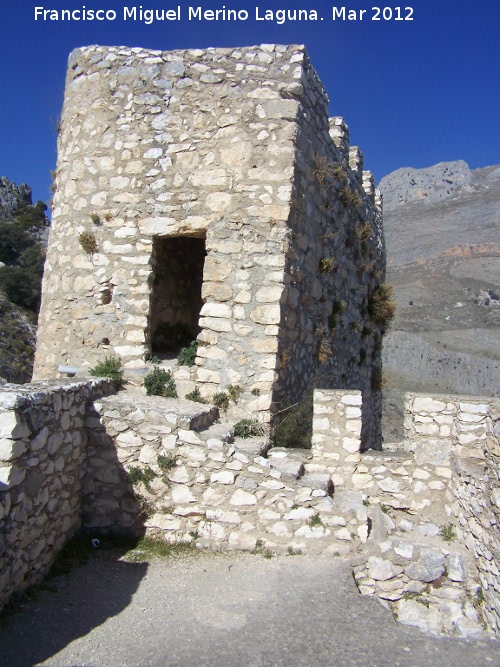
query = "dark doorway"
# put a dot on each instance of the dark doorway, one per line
(176, 296)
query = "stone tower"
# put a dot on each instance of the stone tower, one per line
(207, 193)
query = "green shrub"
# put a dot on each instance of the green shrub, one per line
(247, 428)
(315, 521)
(95, 219)
(31, 216)
(221, 400)
(160, 383)
(187, 355)
(144, 475)
(234, 392)
(154, 360)
(166, 462)
(447, 533)
(13, 241)
(195, 396)
(295, 430)
(111, 368)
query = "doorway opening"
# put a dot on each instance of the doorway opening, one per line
(176, 295)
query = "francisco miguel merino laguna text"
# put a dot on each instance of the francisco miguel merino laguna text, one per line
(149, 16)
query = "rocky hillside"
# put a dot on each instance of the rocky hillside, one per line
(442, 229)
(23, 234)
(11, 197)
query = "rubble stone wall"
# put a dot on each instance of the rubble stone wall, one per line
(419, 524)
(433, 506)
(465, 433)
(43, 443)
(233, 147)
(206, 486)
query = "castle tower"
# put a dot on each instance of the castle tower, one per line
(206, 194)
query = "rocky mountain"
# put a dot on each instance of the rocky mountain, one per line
(11, 197)
(23, 235)
(442, 230)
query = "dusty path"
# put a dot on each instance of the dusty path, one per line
(220, 610)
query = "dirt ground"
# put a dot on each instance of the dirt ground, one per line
(210, 610)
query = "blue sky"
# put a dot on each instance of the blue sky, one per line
(412, 92)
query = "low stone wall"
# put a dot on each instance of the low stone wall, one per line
(195, 482)
(42, 459)
(465, 432)
(432, 549)
(420, 524)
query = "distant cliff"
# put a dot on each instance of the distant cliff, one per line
(23, 234)
(442, 233)
(11, 197)
(427, 211)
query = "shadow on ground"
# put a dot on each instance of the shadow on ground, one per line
(67, 606)
(221, 610)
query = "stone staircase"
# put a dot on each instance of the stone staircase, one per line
(222, 491)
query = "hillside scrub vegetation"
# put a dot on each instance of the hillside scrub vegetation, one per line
(21, 256)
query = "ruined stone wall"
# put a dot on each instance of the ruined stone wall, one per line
(432, 548)
(335, 262)
(43, 444)
(420, 524)
(232, 146)
(466, 432)
(205, 486)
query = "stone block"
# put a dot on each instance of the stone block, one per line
(242, 498)
(222, 477)
(381, 569)
(13, 426)
(11, 449)
(427, 404)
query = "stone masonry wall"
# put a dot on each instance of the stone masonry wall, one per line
(335, 262)
(204, 485)
(466, 432)
(432, 547)
(71, 458)
(43, 444)
(233, 146)
(419, 524)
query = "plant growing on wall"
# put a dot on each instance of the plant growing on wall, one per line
(234, 392)
(381, 305)
(327, 173)
(88, 242)
(160, 383)
(247, 428)
(137, 475)
(327, 264)
(166, 462)
(111, 368)
(195, 396)
(324, 351)
(221, 400)
(349, 197)
(187, 355)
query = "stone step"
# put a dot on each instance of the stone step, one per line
(177, 413)
(252, 447)
(217, 434)
(315, 480)
(290, 462)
